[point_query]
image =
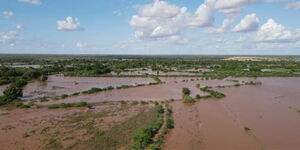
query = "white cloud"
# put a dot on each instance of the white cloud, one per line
(82, 44)
(158, 20)
(233, 6)
(8, 14)
(293, 5)
(19, 27)
(203, 17)
(225, 27)
(248, 23)
(69, 24)
(35, 2)
(163, 20)
(8, 37)
(271, 31)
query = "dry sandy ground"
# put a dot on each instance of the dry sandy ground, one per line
(253, 58)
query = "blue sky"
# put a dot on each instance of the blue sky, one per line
(150, 26)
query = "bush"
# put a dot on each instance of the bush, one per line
(66, 105)
(160, 109)
(144, 102)
(64, 96)
(186, 91)
(247, 129)
(134, 102)
(214, 94)
(43, 78)
(189, 100)
(170, 123)
(144, 136)
(11, 93)
(96, 90)
(22, 105)
(198, 96)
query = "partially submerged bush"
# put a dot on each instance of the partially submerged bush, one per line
(247, 129)
(214, 94)
(170, 123)
(63, 96)
(96, 90)
(186, 91)
(22, 105)
(189, 100)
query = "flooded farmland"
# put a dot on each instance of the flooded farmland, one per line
(243, 119)
(58, 85)
(250, 117)
(170, 89)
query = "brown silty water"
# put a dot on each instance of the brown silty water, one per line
(171, 89)
(58, 85)
(269, 110)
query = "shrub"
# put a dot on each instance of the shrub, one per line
(96, 90)
(22, 105)
(160, 109)
(144, 136)
(123, 102)
(134, 102)
(214, 94)
(189, 100)
(198, 96)
(75, 94)
(247, 129)
(144, 102)
(186, 91)
(169, 111)
(43, 78)
(170, 123)
(63, 96)
(66, 105)
(44, 99)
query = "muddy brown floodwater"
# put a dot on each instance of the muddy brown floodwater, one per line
(263, 116)
(58, 85)
(170, 90)
(269, 110)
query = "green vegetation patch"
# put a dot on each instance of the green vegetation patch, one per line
(213, 93)
(66, 105)
(189, 99)
(121, 134)
(186, 91)
(96, 90)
